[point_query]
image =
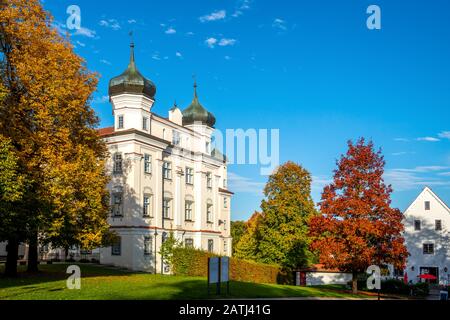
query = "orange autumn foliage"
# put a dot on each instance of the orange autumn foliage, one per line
(357, 226)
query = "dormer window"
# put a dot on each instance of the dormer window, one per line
(427, 205)
(120, 122)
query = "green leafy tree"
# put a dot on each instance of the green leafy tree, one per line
(247, 246)
(237, 230)
(167, 248)
(279, 234)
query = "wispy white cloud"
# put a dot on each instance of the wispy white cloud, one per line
(100, 100)
(214, 16)
(401, 139)
(110, 23)
(242, 5)
(131, 21)
(105, 62)
(242, 184)
(444, 135)
(279, 24)
(81, 44)
(85, 32)
(428, 139)
(403, 179)
(227, 42)
(224, 42)
(178, 54)
(211, 42)
(170, 31)
(227, 58)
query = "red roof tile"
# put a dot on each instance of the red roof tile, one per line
(105, 131)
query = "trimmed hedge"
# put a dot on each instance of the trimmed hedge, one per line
(194, 262)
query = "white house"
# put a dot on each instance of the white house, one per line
(427, 231)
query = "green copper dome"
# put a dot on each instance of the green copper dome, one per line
(196, 113)
(132, 81)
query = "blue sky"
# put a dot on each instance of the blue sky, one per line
(311, 69)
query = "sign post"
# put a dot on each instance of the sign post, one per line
(218, 272)
(213, 272)
(225, 272)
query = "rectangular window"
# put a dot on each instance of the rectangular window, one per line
(147, 210)
(207, 148)
(224, 183)
(428, 248)
(416, 225)
(188, 211)
(117, 167)
(225, 246)
(145, 123)
(225, 226)
(189, 176)
(175, 138)
(167, 170)
(438, 225)
(209, 179)
(117, 205)
(116, 248)
(120, 122)
(427, 205)
(225, 202)
(210, 245)
(148, 246)
(166, 208)
(147, 163)
(189, 243)
(209, 213)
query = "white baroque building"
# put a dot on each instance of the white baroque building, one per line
(427, 231)
(164, 177)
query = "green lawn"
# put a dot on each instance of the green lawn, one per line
(100, 283)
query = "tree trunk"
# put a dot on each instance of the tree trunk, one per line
(355, 282)
(11, 258)
(66, 253)
(33, 254)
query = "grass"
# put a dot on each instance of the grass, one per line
(104, 283)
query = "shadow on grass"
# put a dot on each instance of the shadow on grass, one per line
(105, 283)
(56, 272)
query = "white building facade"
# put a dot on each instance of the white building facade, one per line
(164, 177)
(427, 232)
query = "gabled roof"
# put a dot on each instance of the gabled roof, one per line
(428, 189)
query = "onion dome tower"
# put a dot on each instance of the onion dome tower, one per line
(197, 114)
(132, 81)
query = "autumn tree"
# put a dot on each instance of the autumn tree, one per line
(279, 234)
(45, 111)
(237, 229)
(12, 189)
(357, 226)
(246, 247)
